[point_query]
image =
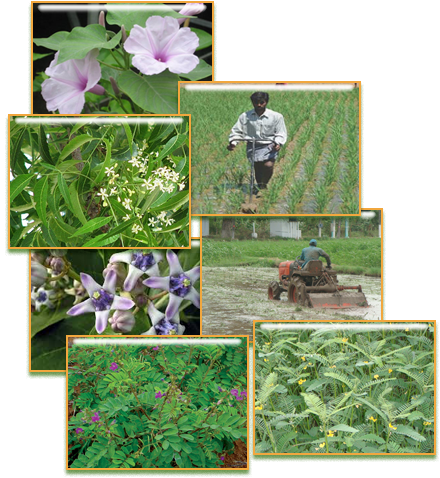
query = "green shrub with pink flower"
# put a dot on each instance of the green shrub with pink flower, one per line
(159, 406)
(128, 59)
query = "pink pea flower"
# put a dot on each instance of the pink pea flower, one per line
(79, 430)
(191, 9)
(96, 417)
(159, 395)
(161, 45)
(114, 366)
(222, 458)
(65, 89)
(102, 300)
(243, 393)
(234, 392)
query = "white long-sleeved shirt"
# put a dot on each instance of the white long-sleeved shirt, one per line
(267, 127)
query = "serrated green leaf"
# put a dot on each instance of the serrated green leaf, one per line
(74, 144)
(173, 227)
(106, 163)
(101, 241)
(172, 144)
(62, 230)
(92, 225)
(41, 189)
(18, 184)
(64, 190)
(76, 204)
(173, 203)
(16, 148)
(154, 94)
(43, 146)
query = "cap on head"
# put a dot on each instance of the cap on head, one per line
(313, 242)
(260, 95)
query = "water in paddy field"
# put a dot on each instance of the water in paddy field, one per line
(235, 296)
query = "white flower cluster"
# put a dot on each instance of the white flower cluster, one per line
(160, 221)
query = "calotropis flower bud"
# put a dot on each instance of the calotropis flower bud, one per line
(102, 19)
(37, 257)
(120, 270)
(141, 300)
(38, 274)
(56, 264)
(122, 321)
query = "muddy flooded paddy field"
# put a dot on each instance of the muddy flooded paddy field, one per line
(233, 297)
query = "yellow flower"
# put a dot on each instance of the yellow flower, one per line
(267, 343)
(301, 381)
(310, 363)
(333, 366)
(330, 433)
(259, 408)
(303, 358)
(391, 426)
(390, 370)
(322, 445)
(365, 361)
(426, 423)
(271, 385)
(376, 376)
(372, 418)
(345, 340)
(265, 360)
(305, 367)
(406, 330)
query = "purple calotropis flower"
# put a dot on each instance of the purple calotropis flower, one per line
(139, 263)
(161, 45)
(114, 366)
(102, 300)
(191, 9)
(69, 81)
(161, 325)
(178, 283)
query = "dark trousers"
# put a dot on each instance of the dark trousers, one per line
(263, 172)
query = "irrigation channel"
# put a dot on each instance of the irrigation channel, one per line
(235, 296)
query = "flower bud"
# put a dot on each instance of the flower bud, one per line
(122, 321)
(141, 300)
(58, 252)
(55, 263)
(37, 257)
(38, 274)
(121, 273)
(102, 19)
(123, 33)
(115, 86)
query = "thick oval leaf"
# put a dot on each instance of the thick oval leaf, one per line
(132, 17)
(155, 94)
(83, 39)
(205, 39)
(18, 184)
(54, 42)
(92, 226)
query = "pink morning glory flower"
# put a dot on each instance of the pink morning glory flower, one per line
(114, 366)
(161, 45)
(102, 300)
(139, 263)
(191, 9)
(65, 89)
(161, 325)
(178, 283)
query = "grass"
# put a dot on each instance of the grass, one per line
(349, 256)
(319, 124)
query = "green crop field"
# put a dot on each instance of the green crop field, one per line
(317, 171)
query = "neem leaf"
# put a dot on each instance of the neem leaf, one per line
(40, 195)
(83, 39)
(53, 42)
(62, 185)
(74, 144)
(156, 93)
(172, 144)
(202, 70)
(18, 184)
(43, 146)
(92, 225)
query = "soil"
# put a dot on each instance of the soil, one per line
(238, 459)
(233, 297)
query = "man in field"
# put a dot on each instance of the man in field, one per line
(313, 253)
(265, 125)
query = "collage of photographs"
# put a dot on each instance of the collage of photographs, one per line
(203, 271)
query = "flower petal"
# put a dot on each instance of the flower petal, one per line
(101, 320)
(173, 306)
(194, 297)
(148, 65)
(82, 308)
(62, 97)
(133, 275)
(153, 270)
(173, 261)
(180, 329)
(155, 315)
(158, 256)
(122, 303)
(150, 331)
(193, 274)
(158, 283)
(125, 256)
(110, 282)
(89, 283)
(182, 63)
